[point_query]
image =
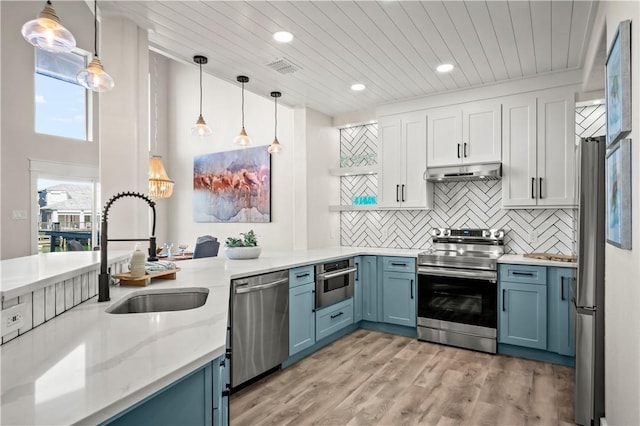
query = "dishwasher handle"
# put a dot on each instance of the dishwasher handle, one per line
(276, 283)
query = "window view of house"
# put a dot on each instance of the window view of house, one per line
(60, 102)
(65, 216)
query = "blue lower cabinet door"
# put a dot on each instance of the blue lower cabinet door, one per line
(399, 298)
(561, 311)
(523, 314)
(302, 320)
(369, 284)
(357, 291)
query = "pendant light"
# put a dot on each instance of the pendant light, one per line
(160, 186)
(94, 76)
(275, 145)
(201, 128)
(242, 139)
(47, 33)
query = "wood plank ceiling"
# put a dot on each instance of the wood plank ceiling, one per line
(393, 47)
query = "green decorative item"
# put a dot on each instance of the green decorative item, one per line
(243, 248)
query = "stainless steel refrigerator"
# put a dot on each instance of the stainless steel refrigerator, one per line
(589, 291)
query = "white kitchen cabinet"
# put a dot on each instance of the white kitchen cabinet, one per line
(465, 134)
(402, 144)
(538, 150)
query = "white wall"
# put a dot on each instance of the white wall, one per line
(622, 283)
(221, 110)
(19, 142)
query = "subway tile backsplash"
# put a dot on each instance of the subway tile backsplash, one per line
(46, 303)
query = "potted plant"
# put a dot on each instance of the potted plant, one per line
(243, 248)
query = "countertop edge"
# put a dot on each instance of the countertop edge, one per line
(519, 259)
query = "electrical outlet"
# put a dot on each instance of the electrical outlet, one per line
(13, 318)
(533, 237)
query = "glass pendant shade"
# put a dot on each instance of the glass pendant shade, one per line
(242, 139)
(47, 33)
(201, 128)
(95, 78)
(275, 147)
(160, 186)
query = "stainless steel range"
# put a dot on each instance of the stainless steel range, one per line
(458, 290)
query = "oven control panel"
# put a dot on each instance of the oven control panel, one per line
(467, 233)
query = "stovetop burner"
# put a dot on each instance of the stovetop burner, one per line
(464, 248)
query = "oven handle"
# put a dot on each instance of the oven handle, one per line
(276, 283)
(339, 273)
(458, 273)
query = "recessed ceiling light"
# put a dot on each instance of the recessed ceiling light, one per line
(357, 87)
(444, 68)
(283, 36)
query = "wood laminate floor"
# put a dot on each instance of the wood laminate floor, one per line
(373, 378)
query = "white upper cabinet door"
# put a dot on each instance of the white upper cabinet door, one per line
(481, 132)
(413, 190)
(390, 152)
(444, 137)
(556, 149)
(519, 152)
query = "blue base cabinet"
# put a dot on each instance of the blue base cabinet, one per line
(357, 290)
(368, 277)
(561, 311)
(200, 398)
(399, 291)
(523, 314)
(302, 317)
(334, 318)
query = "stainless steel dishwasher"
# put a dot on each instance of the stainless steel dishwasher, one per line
(259, 325)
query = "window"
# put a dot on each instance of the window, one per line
(60, 102)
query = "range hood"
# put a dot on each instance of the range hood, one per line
(489, 171)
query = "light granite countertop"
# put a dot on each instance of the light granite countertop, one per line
(521, 260)
(85, 365)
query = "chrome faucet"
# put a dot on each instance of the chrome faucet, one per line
(103, 278)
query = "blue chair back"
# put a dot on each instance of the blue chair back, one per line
(207, 248)
(74, 245)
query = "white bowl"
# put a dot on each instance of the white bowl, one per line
(243, 252)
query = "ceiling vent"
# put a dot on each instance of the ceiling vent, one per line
(283, 66)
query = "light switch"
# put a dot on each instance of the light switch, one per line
(19, 215)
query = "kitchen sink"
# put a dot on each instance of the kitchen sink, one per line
(160, 301)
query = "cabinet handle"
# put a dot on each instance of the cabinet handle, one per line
(302, 275)
(540, 189)
(464, 151)
(336, 315)
(524, 274)
(397, 196)
(561, 288)
(533, 184)
(458, 150)
(357, 271)
(398, 264)
(504, 308)
(403, 193)
(225, 393)
(313, 302)
(412, 289)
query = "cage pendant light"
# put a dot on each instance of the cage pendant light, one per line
(94, 77)
(275, 146)
(160, 186)
(47, 33)
(242, 139)
(201, 128)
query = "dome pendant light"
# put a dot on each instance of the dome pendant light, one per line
(275, 145)
(242, 139)
(201, 128)
(47, 33)
(94, 76)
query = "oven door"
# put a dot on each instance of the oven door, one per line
(334, 282)
(458, 296)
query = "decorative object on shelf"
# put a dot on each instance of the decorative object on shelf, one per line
(47, 33)
(201, 128)
(360, 160)
(364, 200)
(275, 145)
(242, 139)
(618, 183)
(232, 186)
(94, 76)
(618, 81)
(160, 186)
(243, 248)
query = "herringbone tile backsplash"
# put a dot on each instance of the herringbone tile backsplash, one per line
(457, 204)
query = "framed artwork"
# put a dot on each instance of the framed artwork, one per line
(618, 183)
(232, 186)
(618, 84)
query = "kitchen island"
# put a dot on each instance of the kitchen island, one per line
(87, 366)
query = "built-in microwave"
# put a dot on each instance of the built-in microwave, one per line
(334, 281)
